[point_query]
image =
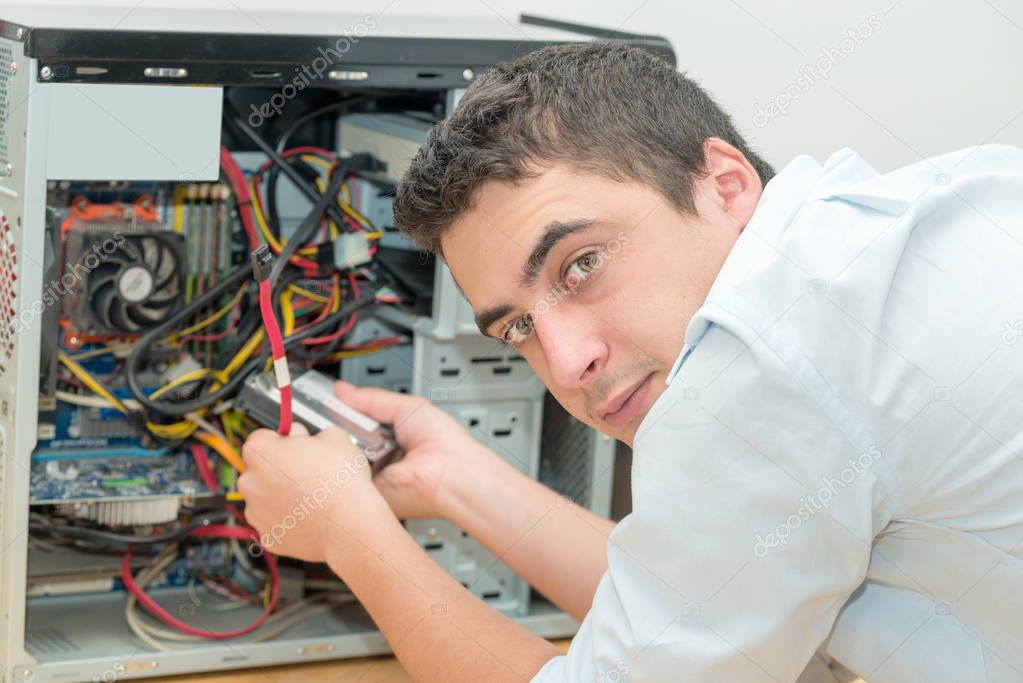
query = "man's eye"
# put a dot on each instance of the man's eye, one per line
(581, 268)
(517, 331)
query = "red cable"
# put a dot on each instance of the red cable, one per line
(334, 335)
(203, 464)
(348, 325)
(214, 531)
(273, 333)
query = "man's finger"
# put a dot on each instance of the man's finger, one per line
(259, 442)
(388, 407)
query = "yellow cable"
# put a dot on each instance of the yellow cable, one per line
(340, 355)
(257, 210)
(210, 320)
(90, 382)
(335, 295)
(96, 352)
(302, 291)
(194, 375)
(287, 312)
(173, 431)
(180, 194)
(243, 354)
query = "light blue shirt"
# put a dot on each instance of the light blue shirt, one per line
(837, 459)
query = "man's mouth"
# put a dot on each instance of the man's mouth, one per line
(625, 406)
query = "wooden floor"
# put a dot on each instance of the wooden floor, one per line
(388, 670)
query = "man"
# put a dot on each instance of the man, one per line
(817, 372)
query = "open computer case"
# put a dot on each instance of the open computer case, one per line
(117, 214)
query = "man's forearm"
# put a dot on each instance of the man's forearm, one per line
(438, 629)
(559, 547)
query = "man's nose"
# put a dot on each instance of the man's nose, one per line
(575, 352)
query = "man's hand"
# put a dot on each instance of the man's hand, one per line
(436, 448)
(302, 492)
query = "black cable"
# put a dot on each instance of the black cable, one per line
(282, 141)
(122, 541)
(178, 408)
(310, 190)
(131, 364)
(273, 218)
(309, 226)
(247, 326)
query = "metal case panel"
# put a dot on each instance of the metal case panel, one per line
(23, 206)
(135, 132)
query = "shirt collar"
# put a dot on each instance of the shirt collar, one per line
(783, 197)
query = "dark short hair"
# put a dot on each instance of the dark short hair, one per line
(605, 107)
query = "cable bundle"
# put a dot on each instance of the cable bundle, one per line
(287, 303)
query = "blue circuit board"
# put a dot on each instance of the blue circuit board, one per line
(68, 479)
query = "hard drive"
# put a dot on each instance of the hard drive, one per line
(315, 405)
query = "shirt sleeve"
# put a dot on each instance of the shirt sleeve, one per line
(756, 497)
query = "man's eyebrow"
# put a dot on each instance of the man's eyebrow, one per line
(488, 317)
(554, 233)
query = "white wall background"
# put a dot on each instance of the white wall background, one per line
(932, 75)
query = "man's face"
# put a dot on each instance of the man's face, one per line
(593, 281)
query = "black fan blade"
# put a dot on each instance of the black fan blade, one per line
(169, 259)
(163, 298)
(132, 250)
(101, 300)
(140, 316)
(119, 316)
(100, 276)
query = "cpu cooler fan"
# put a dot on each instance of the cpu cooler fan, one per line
(125, 282)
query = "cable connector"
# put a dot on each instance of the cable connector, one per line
(262, 262)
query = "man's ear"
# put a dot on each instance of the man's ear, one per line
(730, 181)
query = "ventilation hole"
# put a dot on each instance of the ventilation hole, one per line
(435, 545)
(8, 292)
(491, 595)
(449, 372)
(501, 433)
(487, 359)
(503, 370)
(376, 369)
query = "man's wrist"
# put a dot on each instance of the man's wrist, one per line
(459, 495)
(353, 513)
